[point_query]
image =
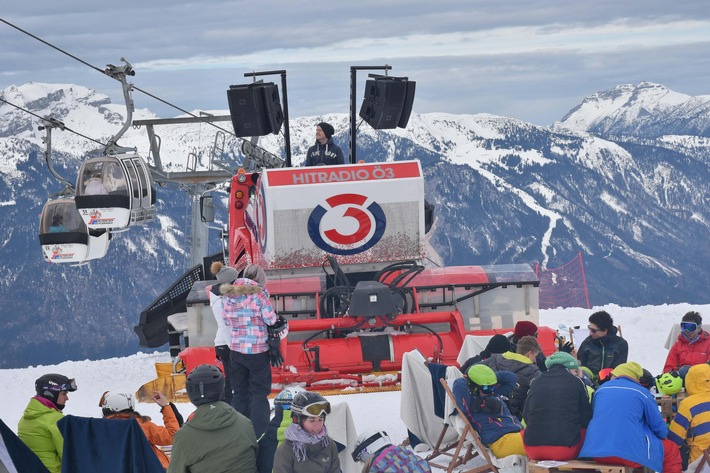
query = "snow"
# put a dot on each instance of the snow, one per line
(645, 328)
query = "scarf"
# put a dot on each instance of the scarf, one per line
(300, 438)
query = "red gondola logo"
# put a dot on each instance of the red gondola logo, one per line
(347, 210)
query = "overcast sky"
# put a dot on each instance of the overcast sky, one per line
(532, 60)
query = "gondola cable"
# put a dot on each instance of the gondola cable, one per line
(64, 127)
(104, 72)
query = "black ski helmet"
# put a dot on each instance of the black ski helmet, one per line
(50, 385)
(205, 384)
(308, 404)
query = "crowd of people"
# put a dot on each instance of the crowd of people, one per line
(561, 407)
(570, 408)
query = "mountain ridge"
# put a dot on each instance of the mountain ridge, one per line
(506, 191)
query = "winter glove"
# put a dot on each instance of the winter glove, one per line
(275, 352)
(567, 347)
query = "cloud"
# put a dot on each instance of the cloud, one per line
(530, 60)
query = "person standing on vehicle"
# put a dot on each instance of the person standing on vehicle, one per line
(224, 275)
(248, 313)
(325, 152)
(603, 348)
(38, 426)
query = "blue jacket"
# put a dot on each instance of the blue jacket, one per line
(626, 423)
(490, 425)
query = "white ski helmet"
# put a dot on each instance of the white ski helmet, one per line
(113, 401)
(369, 443)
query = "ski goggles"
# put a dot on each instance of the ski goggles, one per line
(487, 389)
(316, 409)
(688, 326)
(68, 386)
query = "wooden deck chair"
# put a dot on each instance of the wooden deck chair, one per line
(704, 461)
(457, 458)
(466, 448)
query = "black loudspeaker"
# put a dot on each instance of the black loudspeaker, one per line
(255, 109)
(387, 103)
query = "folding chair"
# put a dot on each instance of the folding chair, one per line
(456, 458)
(466, 448)
(704, 461)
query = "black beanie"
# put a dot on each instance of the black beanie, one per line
(327, 128)
(498, 344)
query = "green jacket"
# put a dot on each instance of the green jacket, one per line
(215, 439)
(38, 430)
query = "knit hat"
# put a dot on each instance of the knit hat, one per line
(327, 128)
(562, 358)
(227, 275)
(224, 274)
(524, 328)
(630, 370)
(498, 344)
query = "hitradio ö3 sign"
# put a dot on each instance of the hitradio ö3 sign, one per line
(346, 224)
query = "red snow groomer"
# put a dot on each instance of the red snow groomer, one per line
(348, 266)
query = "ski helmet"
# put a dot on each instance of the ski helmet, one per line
(369, 443)
(205, 384)
(669, 383)
(605, 374)
(285, 397)
(482, 377)
(50, 385)
(113, 401)
(647, 380)
(309, 404)
(279, 329)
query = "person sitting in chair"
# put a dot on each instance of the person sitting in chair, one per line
(487, 412)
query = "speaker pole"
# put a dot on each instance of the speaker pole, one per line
(284, 94)
(353, 87)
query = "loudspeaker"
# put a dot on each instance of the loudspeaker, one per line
(255, 109)
(387, 103)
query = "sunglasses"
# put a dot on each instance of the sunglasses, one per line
(593, 330)
(316, 409)
(688, 326)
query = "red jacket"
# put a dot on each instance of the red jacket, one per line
(683, 352)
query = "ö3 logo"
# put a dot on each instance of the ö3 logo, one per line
(371, 223)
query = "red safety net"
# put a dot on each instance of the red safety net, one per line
(565, 286)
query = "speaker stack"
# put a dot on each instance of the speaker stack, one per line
(255, 109)
(388, 102)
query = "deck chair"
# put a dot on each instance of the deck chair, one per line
(466, 448)
(703, 464)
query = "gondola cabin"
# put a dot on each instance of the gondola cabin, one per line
(64, 236)
(114, 192)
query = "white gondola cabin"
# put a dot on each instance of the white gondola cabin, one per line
(64, 236)
(114, 192)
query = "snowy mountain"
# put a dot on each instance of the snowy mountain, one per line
(646, 110)
(505, 192)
